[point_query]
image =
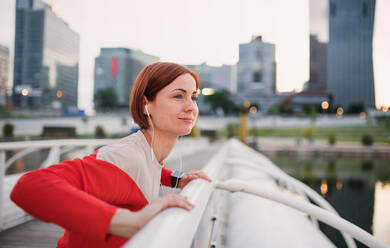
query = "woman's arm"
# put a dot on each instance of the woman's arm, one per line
(57, 194)
(126, 223)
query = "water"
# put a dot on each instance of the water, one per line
(358, 190)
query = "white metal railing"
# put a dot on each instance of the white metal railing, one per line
(10, 214)
(163, 230)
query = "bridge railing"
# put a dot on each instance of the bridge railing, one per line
(10, 214)
(175, 227)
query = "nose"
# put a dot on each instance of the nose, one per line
(191, 106)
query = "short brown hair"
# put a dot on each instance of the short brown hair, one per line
(149, 82)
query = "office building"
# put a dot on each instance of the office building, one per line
(46, 58)
(349, 54)
(117, 68)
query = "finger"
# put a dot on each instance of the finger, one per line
(202, 175)
(179, 201)
(183, 203)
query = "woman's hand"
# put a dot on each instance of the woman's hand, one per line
(192, 175)
(126, 223)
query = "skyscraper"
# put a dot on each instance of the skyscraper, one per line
(46, 57)
(349, 55)
(117, 68)
(318, 23)
(4, 61)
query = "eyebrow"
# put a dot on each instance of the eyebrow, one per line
(183, 90)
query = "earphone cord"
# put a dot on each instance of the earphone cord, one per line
(181, 162)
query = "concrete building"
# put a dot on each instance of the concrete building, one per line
(257, 67)
(256, 77)
(349, 54)
(46, 58)
(118, 68)
(4, 66)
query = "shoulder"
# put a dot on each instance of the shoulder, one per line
(125, 153)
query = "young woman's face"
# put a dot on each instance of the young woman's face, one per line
(174, 109)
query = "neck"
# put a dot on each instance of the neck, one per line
(162, 144)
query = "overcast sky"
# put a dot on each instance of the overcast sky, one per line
(196, 31)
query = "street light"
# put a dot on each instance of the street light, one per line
(253, 110)
(340, 111)
(25, 92)
(324, 105)
(59, 94)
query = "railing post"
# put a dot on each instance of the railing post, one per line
(2, 175)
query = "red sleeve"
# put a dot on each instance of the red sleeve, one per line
(166, 177)
(57, 194)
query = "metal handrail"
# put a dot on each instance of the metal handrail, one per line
(325, 216)
(165, 226)
(28, 147)
(298, 184)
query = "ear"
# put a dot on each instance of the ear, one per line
(145, 101)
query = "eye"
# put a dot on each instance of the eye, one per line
(178, 96)
(194, 98)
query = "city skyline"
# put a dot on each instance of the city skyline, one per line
(166, 37)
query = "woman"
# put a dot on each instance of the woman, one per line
(103, 199)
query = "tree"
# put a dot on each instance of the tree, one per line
(106, 99)
(221, 99)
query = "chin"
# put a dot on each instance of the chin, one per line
(184, 131)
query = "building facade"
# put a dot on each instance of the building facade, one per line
(256, 74)
(117, 68)
(46, 58)
(217, 77)
(349, 54)
(4, 66)
(318, 54)
(257, 68)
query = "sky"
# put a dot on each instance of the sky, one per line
(196, 31)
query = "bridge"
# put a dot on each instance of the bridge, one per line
(250, 203)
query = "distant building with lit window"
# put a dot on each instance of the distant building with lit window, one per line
(46, 58)
(117, 68)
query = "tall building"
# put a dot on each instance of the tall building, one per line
(318, 23)
(118, 68)
(317, 79)
(46, 58)
(257, 67)
(256, 74)
(4, 62)
(349, 55)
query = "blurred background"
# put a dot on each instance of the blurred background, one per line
(306, 82)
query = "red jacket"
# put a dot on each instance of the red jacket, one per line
(81, 196)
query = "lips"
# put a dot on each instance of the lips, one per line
(188, 120)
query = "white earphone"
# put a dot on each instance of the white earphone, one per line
(147, 111)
